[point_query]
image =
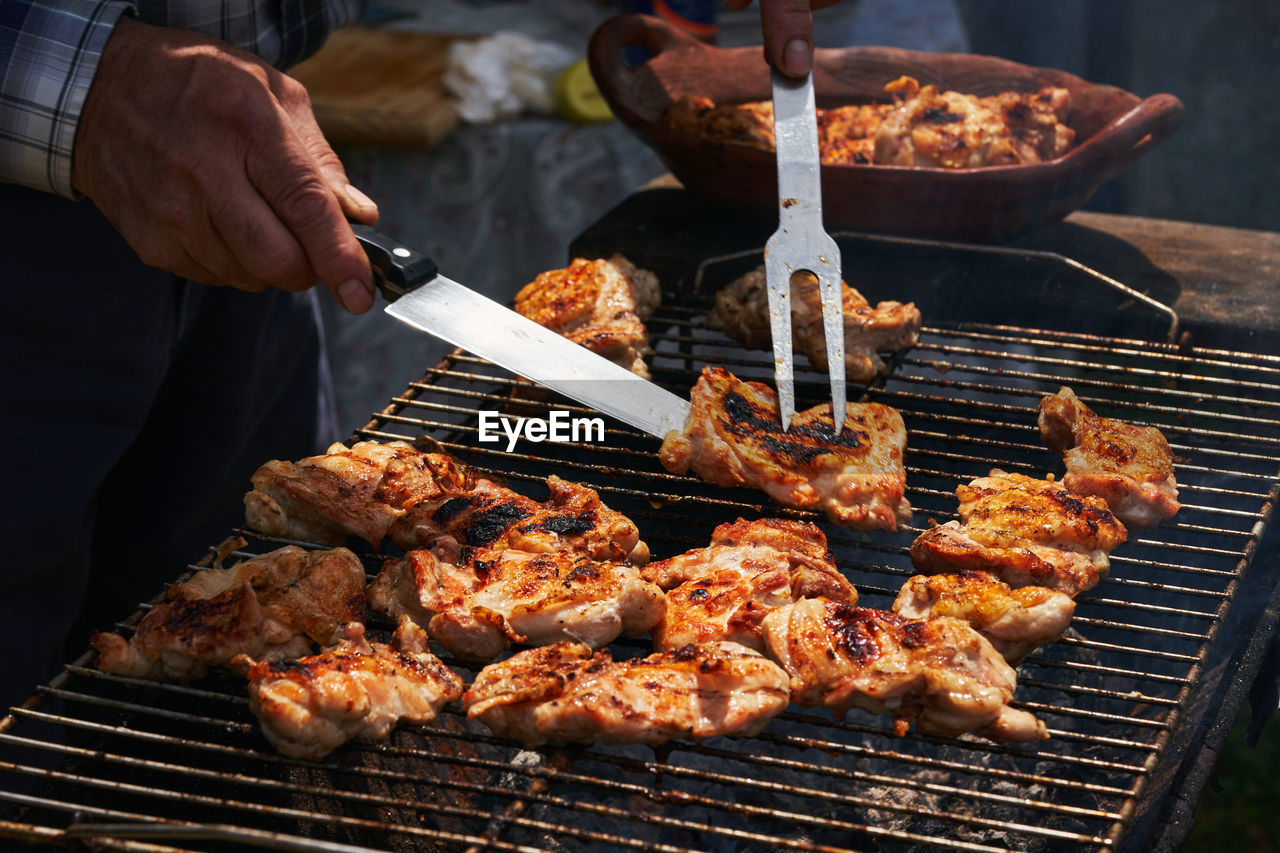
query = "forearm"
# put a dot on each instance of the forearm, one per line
(49, 52)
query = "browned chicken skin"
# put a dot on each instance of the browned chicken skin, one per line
(742, 312)
(600, 304)
(1014, 620)
(938, 673)
(492, 598)
(847, 135)
(357, 491)
(564, 693)
(273, 605)
(1128, 466)
(958, 131)
(359, 689)
(493, 516)
(921, 127)
(746, 124)
(734, 437)
(723, 591)
(1026, 531)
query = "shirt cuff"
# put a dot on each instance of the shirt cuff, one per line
(53, 54)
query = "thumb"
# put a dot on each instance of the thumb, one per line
(354, 203)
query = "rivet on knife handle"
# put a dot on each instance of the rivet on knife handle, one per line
(801, 243)
(397, 268)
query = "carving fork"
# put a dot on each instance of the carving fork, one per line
(801, 243)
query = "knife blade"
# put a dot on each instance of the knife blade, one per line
(418, 295)
(801, 243)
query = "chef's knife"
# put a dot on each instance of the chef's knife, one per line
(800, 243)
(420, 296)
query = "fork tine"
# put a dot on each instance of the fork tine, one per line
(778, 284)
(833, 333)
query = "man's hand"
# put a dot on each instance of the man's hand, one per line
(788, 31)
(211, 165)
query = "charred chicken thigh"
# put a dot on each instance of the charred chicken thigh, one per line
(1014, 620)
(1027, 532)
(921, 127)
(742, 312)
(723, 591)
(274, 605)
(600, 304)
(958, 131)
(1128, 466)
(565, 693)
(746, 124)
(358, 689)
(349, 491)
(938, 673)
(847, 135)
(493, 516)
(493, 598)
(733, 437)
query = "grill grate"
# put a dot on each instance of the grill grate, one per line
(93, 755)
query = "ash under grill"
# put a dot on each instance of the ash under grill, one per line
(102, 754)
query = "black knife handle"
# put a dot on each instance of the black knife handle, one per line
(397, 269)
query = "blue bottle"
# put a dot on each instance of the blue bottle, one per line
(695, 17)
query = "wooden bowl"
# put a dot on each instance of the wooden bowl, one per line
(1113, 128)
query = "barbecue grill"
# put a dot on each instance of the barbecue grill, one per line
(1135, 696)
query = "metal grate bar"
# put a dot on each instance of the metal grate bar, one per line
(225, 725)
(937, 763)
(675, 498)
(239, 805)
(1008, 337)
(1098, 646)
(1196, 357)
(276, 840)
(1084, 381)
(469, 429)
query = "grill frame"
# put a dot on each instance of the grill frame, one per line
(1219, 667)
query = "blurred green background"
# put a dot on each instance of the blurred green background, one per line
(1240, 807)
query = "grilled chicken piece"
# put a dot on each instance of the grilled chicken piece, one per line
(493, 598)
(742, 312)
(361, 689)
(744, 124)
(1014, 620)
(957, 131)
(274, 605)
(734, 437)
(847, 135)
(566, 694)
(723, 591)
(922, 127)
(493, 516)
(1026, 531)
(939, 673)
(599, 304)
(1128, 466)
(357, 491)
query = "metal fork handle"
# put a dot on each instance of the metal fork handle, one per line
(795, 128)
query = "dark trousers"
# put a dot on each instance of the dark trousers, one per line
(134, 407)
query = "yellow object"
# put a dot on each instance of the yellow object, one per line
(577, 97)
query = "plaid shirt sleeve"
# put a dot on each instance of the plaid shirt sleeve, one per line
(49, 52)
